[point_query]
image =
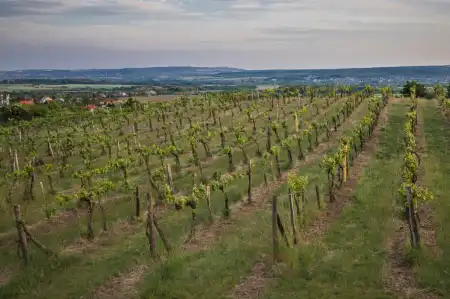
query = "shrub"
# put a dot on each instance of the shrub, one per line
(420, 89)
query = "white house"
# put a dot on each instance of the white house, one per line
(45, 100)
(4, 99)
(60, 100)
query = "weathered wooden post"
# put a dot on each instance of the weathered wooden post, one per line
(275, 238)
(319, 201)
(138, 203)
(23, 243)
(170, 179)
(150, 231)
(412, 223)
(208, 202)
(292, 214)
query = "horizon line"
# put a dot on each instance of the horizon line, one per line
(236, 68)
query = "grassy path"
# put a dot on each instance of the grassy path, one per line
(433, 270)
(348, 261)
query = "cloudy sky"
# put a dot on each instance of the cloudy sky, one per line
(252, 34)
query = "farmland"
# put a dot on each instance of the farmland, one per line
(335, 194)
(54, 87)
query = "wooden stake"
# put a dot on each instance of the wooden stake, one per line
(138, 203)
(208, 202)
(319, 201)
(292, 214)
(412, 223)
(23, 243)
(162, 235)
(170, 179)
(150, 231)
(275, 238)
(38, 244)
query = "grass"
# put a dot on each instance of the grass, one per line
(433, 271)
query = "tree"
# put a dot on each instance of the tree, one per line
(448, 91)
(420, 89)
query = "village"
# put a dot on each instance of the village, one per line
(84, 99)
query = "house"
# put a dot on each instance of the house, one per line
(60, 100)
(45, 100)
(151, 93)
(26, 102)
(121, 94)
(4, 100)
(109, 102)
(89, 107)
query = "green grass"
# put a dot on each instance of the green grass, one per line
(434, 271)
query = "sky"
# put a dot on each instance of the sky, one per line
(252, 34)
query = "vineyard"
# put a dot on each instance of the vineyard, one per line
(322, 193)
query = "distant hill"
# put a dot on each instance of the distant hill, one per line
(234, 76)
(126, 74)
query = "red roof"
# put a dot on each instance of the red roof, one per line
(89, 107)
(26, 102)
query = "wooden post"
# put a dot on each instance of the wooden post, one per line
(249, 190)
(412, 223)
(292, 214)
(16, 159)
(150, 231)
(162, 235)
(319, 201)
(275, 238)
(208, 202)
(169, 179)
(138, 203)
(282, 230)
(23, 243)
(303, 206)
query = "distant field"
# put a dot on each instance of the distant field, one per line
(31, 87)
(160, 98)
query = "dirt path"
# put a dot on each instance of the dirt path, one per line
(122, 286)
(320, 225)
(399, 275)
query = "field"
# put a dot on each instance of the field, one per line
(44, 87)
(230, 196)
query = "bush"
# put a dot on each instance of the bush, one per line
(421, 91)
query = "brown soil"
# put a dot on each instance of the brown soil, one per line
(122, 286)
(82, 245)
(5, 276)
(399, 276)
(253, 286)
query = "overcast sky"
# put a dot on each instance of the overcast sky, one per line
(252, 34)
